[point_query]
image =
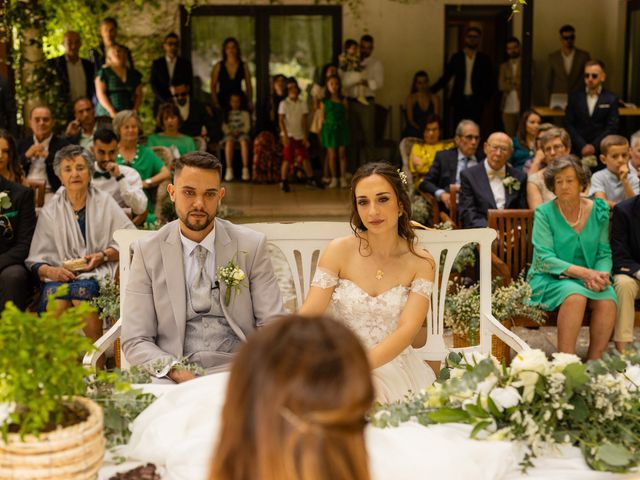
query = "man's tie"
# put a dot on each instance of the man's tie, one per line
(201, 286)
(98, 174)
(495, 174)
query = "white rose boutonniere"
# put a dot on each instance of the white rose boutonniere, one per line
(5, 201)
(511, 183)
(232, 275)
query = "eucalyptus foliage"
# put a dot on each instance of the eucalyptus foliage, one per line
(40, 364)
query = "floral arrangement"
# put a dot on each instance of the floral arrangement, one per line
(462, 307)
(108, 301)
(350, 63)
(511, 184)
(539, 403)
(421, 210)
(232, 276)
(5, 201)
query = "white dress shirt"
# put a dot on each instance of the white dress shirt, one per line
(77, 80)
(190, 262)
(497, 187)
(293, 111)
(512, 100)
(592, 100)
(171, 66)
(468, 89)
(568, 60)
(127, 192)
(38, 168)
(373, 73)
(184, 109)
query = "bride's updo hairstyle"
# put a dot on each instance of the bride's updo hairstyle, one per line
(296, 402)
(391, 175)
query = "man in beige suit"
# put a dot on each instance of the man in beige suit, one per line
(509, 85)
(566, 66)
(177, 304)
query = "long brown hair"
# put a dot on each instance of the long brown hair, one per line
(13, 165)
(391, 175)
(522, 127)
(296, 402)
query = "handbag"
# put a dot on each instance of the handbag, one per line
(317, 121)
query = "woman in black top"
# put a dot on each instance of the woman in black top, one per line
(228, 75)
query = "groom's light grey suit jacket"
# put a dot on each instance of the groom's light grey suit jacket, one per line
(154, 315)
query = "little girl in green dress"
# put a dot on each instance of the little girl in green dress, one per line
(335, 130)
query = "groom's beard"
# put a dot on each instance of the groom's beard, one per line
(201, 223)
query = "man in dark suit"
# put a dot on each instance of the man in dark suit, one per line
(7, 107)
(37, 151)
(492, 184)
(17, 223)
(195, 115)
(473, 82)
(167, 69)
(592, 113)
(448, 164)
(74, 73)
(108, 34)
(625, 247)
(566, 65)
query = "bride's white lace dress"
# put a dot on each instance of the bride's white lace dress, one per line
(373, 319)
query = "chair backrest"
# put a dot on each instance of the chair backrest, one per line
(165, 155)
(38, 187)
(201, 143)
(513, 245)
(454, 189)
(406, 144)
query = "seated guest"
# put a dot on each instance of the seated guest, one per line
(614, 184)
(491, 184)
(151, 168)
(634, 155)
(572, 258)
(38, 150)
(421, 105)
(554, 143)
(236, 129)
(524, 143)
(121, 182)
(118, 85)
(316, 373)
(538, 161)
(422, 154)
(592, 113)
(10, 168)
(167, 69)
(168, 123)
(197, 118)
(75, 74)
(177, 306)
(108, 34)
(448, 164)
(625, 246)
(81, 129)
(17, 222)
(73, 241)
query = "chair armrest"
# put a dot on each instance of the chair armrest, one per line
(102, 344)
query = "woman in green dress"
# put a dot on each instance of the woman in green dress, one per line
(151, 168)
(118, 86)
(335, 130)
(572, 263)
(168, 121)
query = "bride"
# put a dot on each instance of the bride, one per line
(378, 282)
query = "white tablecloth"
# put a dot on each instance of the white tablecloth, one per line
(178, 432)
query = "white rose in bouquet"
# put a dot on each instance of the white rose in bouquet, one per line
(504, 398)
(238, 275)
(561, 360)
(530, 360)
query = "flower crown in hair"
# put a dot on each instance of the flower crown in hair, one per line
(403, 176)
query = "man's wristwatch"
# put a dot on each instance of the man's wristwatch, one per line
(105, 257)
(119, 177)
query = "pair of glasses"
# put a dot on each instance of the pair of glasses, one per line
(553, 148)
(568, 38)
(471, 138)
(6, 230)
(591, 75)
(180, 95)
(498, 148)
(172, 44)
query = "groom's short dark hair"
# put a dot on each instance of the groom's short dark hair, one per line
(202, 160)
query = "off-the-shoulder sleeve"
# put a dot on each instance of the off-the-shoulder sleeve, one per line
(324, 278)
(422, 287)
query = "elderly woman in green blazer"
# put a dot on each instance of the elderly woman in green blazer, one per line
(572, 263)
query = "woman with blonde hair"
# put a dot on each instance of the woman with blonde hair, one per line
(295, 409)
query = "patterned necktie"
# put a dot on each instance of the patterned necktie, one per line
(495, 174)
(201, 286)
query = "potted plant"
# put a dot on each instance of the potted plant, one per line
(48, 429)
(462, 312)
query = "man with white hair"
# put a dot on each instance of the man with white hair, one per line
(634, 158)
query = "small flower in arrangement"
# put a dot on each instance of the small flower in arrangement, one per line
(511, 183)
(232, 276)
(5, 201)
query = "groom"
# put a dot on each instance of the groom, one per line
(177, 305)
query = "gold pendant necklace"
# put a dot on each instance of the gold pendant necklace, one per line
(379, 274)
(577, 222)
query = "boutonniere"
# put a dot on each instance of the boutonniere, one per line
(232, 276)
(511, 183)
(5, 201)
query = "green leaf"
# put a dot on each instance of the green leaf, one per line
(448, 415)
(614, 454)
(580, 411)
(476, 411)
(479, 427)
(493, 409)
(445, 374)
(576, 376)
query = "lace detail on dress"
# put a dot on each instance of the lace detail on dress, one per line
(422, 287)
(324, 278)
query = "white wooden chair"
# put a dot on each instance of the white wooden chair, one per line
(301, 244)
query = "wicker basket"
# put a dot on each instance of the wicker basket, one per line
(70, 453)
(499, 349)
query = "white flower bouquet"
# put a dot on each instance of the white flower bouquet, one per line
(232, 276)
(541, 403)
(5, 201)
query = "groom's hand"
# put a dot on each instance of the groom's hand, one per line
(181, 375)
